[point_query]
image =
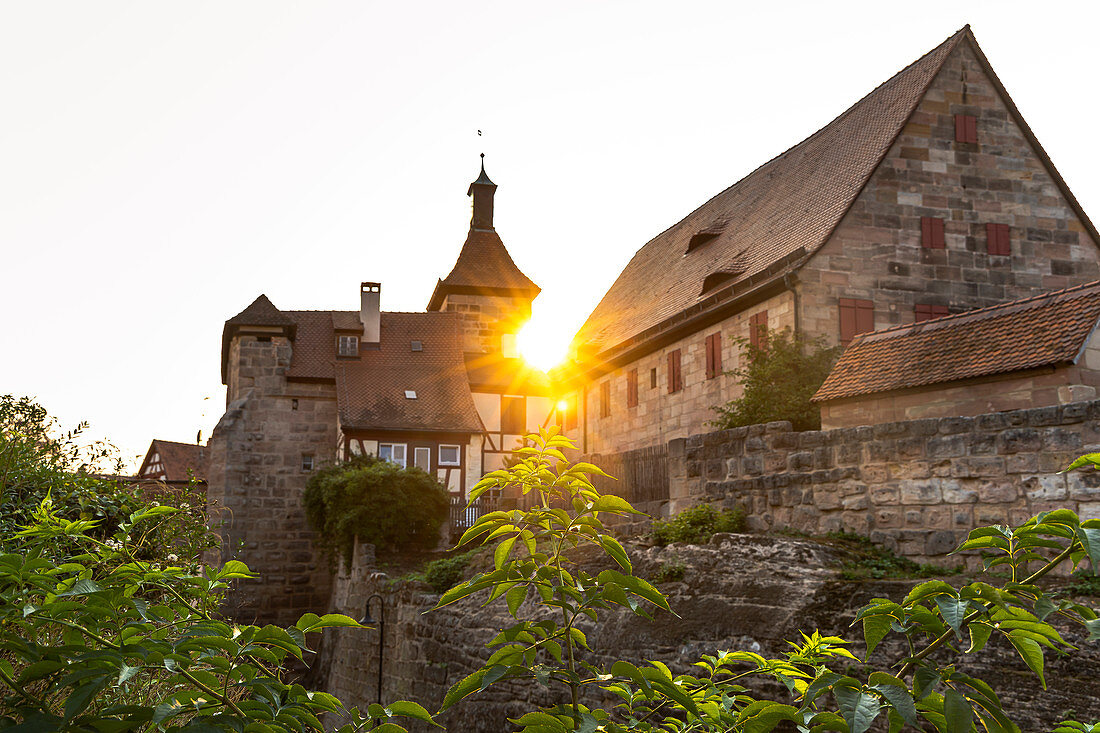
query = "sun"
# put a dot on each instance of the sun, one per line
(542, 344)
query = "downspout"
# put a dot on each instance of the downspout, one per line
(787, 282)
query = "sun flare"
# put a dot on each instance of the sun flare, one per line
(542, 344)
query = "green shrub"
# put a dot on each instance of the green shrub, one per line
(697, 524)
(446, 572)
(671, 571)
(377, 501)
(779, 377)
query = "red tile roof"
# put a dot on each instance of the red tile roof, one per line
(261, 312)
(177, 459)
(371, 391)
(483, 265)
(1040, 331)
(314, 350)
(787, 207)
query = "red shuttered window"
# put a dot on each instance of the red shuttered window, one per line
(675, 383)
(632, 388)
(925, 311)
(931, 233)
(714, 355)
(996, 237)
(758, 329)
(966, 129)
(856, 317)
(605, 399)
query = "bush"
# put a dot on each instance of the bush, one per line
(445, 573)
(779, 377)
(697, 524)
(377, 501)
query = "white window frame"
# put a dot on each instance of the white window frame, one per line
(416, 458)
(458, 456)
(352, 343)
(308, 458)
(393, 458)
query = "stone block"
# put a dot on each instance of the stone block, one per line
(884, 495)
(920, 492)
(1060, 439)
(826, 498)
(887, 518)
(1019, 440)
(849, 453)
(855, 502)
(957, 492)
(940, 543)
(1022, 463)
(947, 446)
(874, 474)
(996, 492)
(801, 461)
(1045, 487)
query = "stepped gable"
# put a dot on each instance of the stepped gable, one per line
(370, 391)
(1044, 330)
(774, 217)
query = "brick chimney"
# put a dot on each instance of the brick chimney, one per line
(370, 298)
(482, 191)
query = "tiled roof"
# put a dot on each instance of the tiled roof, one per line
(1040, 331)
(370, 391)
(785, 208)
(262, 312)
(314, 350)
(177, 458)
(483, 265)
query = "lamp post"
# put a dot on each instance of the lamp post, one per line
(381, 634)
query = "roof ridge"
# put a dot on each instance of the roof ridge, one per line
(1051, 295)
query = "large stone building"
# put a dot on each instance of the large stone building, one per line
(929, 196)
(442, 390)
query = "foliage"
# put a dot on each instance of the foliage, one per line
(378, 502)
(670, 571)
(779, 377)
(445, 572)
(547, 592)
(697, 524)
(1084, 584)
(868, 560)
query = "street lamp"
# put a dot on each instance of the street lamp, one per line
(381, 634)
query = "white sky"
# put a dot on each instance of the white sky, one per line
(162, 164)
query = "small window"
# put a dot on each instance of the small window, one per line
(997, 241)
(347, 346)
(416, 345)
(925, 311)
(422, 459)
(605, 399)
(410, 394)
(632, 388)
(931, 233)
(758, 329)
(966, 129)
(392, 452)
(675, 381)
(653, 378)
(513, 415)
(856, 317)
(307, 463)
(714, 355)
(294, 404)
(449, 455)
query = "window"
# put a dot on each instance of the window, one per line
(675, 382)
(347, 346)
(605, 399)
(758, 329)
(966, 129)
(294, 404)
(856, 317)
(410, 394)
(653, 378)
(416, 345)
(925, 311)
(392, 452)
(513, 415)
(307, 463)
(996, 238)
(714, 355)
(422, 459)
(449, 455)
(632, 388)
(931, 233)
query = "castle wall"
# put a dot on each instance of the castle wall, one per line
(256, 479)
(876, 254)
(486, 319)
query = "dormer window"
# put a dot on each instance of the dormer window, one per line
(347, 346)
(410, 394)
(416, 345)
(717, 279)
(700, 238)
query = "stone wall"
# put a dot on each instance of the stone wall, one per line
(487, 318)
(738, 592)
(916, 487)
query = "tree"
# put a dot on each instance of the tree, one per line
(534, 557)
(377, 501)
(779, 376)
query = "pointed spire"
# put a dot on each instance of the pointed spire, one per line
(482, 191)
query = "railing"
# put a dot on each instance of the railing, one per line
(463, 516)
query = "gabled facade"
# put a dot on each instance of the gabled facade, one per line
(173, 463)
(441, 390)
(929, 196)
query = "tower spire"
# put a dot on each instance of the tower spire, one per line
(482, 191)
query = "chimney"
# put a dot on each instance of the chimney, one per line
(369, 302)
(482, 191)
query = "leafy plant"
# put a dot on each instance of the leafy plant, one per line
(868, 560)
(697, 524)
(445, 572)
(779, 376)
(670, 571)
(378, 502)
(927, 688)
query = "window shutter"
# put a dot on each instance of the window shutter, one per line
(714, 355)
(674, 381)
(924, 311)
(758, 329)
(931, 232)
(997, 239)
(966, 129)
(632, 388)
(605, 399)
(856, 317)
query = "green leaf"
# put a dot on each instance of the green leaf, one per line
(234, 569)
(1030, 652)
(409, 709)
(899, 698)
(613, 548)
(81, 587)
(516, 596)
(953, 612)
(500, 555)
(957, 712)
(462, 689)
(858, 708)
(763, 716)
(979, 635)
(38, 670)
(126, 673)
(1089, 459)
(874, 629)
(82, 696)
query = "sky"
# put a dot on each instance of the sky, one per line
(163, 163)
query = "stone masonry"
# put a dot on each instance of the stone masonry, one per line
(486, 318)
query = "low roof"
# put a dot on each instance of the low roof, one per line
(177, 459)
(1044, 330)
(371, 390)
(483, 266)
